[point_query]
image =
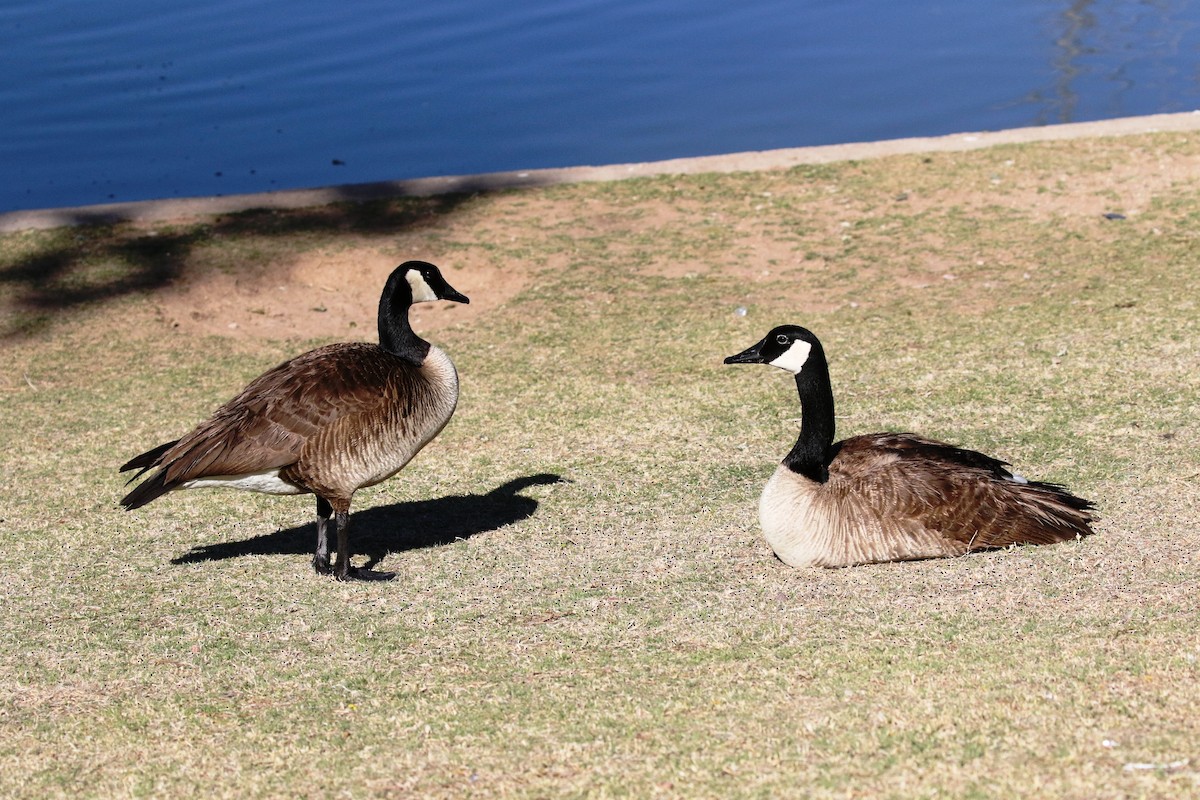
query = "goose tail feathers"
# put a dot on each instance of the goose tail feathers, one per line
(150, 489)
(153, 487)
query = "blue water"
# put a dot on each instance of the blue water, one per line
(114, 100)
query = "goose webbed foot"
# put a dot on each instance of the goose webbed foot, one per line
(353, 573)
(320, 564)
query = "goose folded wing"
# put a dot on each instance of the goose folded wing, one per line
(966, 498)
(240, 444)
(268, 424)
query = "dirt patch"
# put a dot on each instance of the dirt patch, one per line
(332, 293)
(824, 237)
(831, 229)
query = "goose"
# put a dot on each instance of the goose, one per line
(891, 496)
(327, 422)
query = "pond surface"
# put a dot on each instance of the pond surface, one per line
(106, 101)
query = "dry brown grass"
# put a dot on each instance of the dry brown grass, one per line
(625, 632)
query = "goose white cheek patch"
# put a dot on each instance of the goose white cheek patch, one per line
(794, 358)
(421, 291)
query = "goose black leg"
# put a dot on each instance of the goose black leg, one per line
(321, 557)
(346, 572)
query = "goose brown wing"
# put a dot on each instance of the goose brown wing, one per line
(916, 486)
(268, 424)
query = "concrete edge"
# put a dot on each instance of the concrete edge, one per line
(198, 207)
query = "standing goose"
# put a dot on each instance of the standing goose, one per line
(891, 496)
(327, 422)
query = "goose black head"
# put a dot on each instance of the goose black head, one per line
(788, 347)
(425, 283)
(411, 282)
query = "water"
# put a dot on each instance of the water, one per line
(114, 100)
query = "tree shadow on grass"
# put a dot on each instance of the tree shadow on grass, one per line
(378, 531)
(96, 264)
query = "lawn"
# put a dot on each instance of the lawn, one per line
(584, 605)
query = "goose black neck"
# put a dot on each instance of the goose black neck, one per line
(395, 333)
(811, 454)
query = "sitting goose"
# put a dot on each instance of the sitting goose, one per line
(329, 422)
(891, 496)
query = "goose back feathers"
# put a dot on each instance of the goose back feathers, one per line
(328, 422)
(892, 496)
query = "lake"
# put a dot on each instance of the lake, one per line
(107, 101)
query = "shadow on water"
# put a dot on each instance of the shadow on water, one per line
(378, 531)
(106, 258)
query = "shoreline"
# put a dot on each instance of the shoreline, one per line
(198, 207)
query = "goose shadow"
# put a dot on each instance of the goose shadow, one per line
(380, 530)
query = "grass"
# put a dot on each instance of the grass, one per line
(624, 632)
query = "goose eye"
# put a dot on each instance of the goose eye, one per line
(781, 338)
